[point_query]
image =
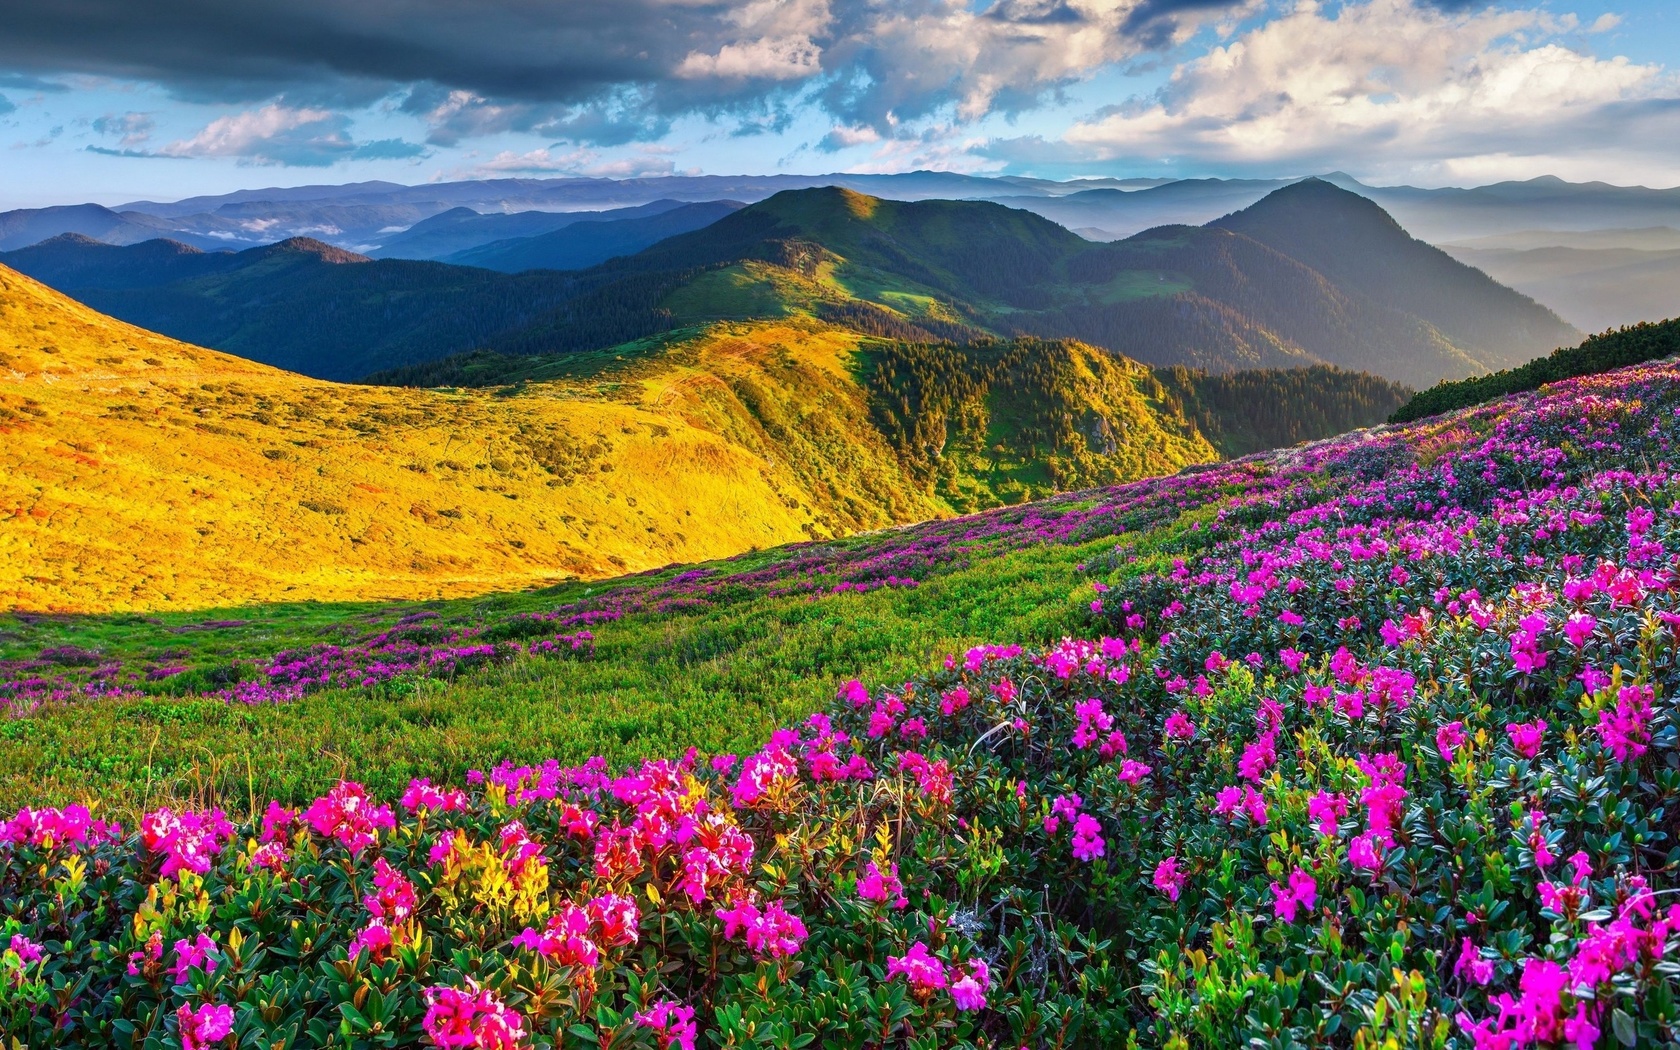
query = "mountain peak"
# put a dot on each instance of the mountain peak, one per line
(1315, 202)
(310, 246)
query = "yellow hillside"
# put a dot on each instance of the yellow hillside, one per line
(137, 472)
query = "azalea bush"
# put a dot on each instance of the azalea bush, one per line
(1371, 744)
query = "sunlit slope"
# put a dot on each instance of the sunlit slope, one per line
(137, 472)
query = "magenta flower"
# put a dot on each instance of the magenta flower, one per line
(1179, 727)
(1625, 732)
(874, 885)
(471, 1018)
(1326, 811)
(205, 1027)
(1525, 737)
(1449, 738)
(672, 1024)
(771, 932)
(1169, 879)
(1471, 966)
(968, 992)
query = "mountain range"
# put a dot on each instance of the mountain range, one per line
(1312, 274)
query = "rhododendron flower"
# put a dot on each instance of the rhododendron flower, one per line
(349, 816)
(27, 951)
(953, 700)
(1300, 892)
(1326, 810)
(616, 919)
(188, 841)
(854, 693)
(1179, 727)
(672, 1024)
(1292, 659)
(1234, 799)
(1364, 854)
(771, 932)
(1132, 771)
(393, 897)
(1449, 738)
(1525, 737)
(1471, 966)
(1579, 628)
(1169, 879)
(922, 971)
(1087, 838)
(71, 826)
(565, 939)
(1257, 758)
(421, 795)
(874, 885)
(204, 1027)
(968, 991)
(196, 952)
(1626, 731)
(1093, 723)
(762, 772)
(471, 1017)
(375, 939)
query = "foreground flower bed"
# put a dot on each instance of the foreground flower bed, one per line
(1385, 757)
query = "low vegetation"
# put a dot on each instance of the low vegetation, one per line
(1630, 345)
(1368, 743)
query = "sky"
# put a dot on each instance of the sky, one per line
(119, 100)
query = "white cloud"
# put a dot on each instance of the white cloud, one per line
(1407, 89)
(245, 134)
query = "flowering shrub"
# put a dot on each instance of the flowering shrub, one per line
(1432, 806)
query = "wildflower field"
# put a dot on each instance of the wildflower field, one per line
(1368, 743)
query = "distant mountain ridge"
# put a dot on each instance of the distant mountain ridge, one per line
(366, 216)
(1211, 297)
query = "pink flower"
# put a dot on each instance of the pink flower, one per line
(672, 1024)
(1364, 855)
(1169, 879)
(1471, 966)
(922, 971)
(968, 992)
(205, 1027)
(1579, 628)
(188, 841)
(1179, 727)
(421, 795)
(881, 888)
(1525, 737)
(1292, 659)
(1626, 731)
(770, 932)
(470, 1017)
(1326, 810)
(1301, 892)
(1087, 838)
(26, 950)
(349, 816)
(1132, 771)
(1449, 738)
(196, 953)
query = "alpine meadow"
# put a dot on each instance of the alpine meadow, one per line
(1018, 525)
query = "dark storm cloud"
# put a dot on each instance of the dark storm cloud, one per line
(531, 50)
(596, 71)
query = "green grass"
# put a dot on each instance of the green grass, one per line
(718, 679)
(1129, 286)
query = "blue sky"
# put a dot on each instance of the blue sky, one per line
(171, 98)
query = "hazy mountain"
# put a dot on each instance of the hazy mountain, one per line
(461, 229)
(589, 241)
(1645, 239)
(1594, 288)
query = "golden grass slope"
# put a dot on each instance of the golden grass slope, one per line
(139, 473)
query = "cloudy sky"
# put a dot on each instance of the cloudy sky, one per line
(116, 100)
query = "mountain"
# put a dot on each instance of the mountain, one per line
(1595, 288)
(461, 229)
(589, 241)
(1360, 246)
(301, 304)
(1211, 297)
(142, 472)
(21, 228)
